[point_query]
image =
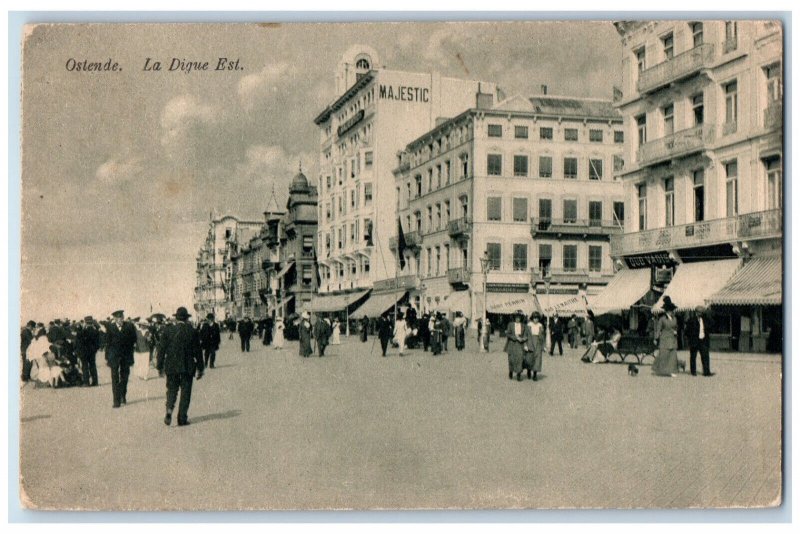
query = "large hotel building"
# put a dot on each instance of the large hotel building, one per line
(375, 113)
(702, 104)
(530, 183)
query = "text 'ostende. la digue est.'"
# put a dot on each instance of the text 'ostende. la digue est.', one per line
(154, 65)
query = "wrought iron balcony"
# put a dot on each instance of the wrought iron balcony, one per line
(459, 275)
(773, 116)
(758, 225)
(679, 67)
(679, 144)
(568, 276)
(459, 227)
(596, 228)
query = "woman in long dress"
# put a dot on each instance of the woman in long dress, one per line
(277, 340)
(515, 345)
(534, 345)
(305, 335)
(666, 335)
(400, 332)
(141, 356)
(459, 328)
(335, 334)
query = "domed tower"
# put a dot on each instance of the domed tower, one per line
(299, 183)
(355, 63)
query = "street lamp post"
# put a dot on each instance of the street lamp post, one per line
(485, 266)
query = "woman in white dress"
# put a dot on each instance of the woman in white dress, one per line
(277, 340)
(335, 339)
(400, 332)
(141, 355)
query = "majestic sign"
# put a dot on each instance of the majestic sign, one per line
(404, 93)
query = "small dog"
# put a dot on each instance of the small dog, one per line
(632, 369)
(682, 366)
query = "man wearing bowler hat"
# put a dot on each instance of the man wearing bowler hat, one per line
(180, 357)
(120, 343)
(209, 340)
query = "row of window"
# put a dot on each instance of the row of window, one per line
(667, 40)
(519, 211)
(339, 271)
(570, 168)
(546, 133)
(339, 236)
(356, 199)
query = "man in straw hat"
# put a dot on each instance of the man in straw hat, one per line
(180, 358)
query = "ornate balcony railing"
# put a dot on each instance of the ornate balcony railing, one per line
(413, 240)
(568, 276)
(680, 66)
(459, 275)
(581, 227)
(773, 116)
(459, 227)
(758, 225)
(409, 281)
(677, 145)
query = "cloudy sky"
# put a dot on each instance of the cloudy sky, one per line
(121, 170)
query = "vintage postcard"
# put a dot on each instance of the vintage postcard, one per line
(500, 265)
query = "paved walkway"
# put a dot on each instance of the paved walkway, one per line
(353, 430)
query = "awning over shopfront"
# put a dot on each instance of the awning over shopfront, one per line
(335, 303)
(377, 304)
(563, 305)
(285, 269)
(694, 283)
(758, 282)
(623, 291)
(508, 303)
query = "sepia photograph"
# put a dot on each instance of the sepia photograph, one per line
(431, 265)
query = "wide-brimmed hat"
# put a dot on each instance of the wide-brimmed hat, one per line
(182, 314)
(668, 305)
(118, 313)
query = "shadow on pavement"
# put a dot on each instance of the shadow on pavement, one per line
(146, 399)
(213, 416)
(33, 418)
(221, 366)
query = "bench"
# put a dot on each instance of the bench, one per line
(637, 346)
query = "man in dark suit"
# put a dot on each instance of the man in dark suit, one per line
(697, 333)
(87, 343)
(180, 357)
(322, 333)
(384, 332)
(556, 335)
(120, 344)
(246, 328)
(209, 340)
(26, 338)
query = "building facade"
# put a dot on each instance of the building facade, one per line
(702, 104)
(375, 113)
(527, 181)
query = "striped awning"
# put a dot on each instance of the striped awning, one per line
(335, 303)
(377, 304)
(623, 291)
(693, 283)
(759, 282)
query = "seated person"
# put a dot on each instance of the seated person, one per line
(608, 346)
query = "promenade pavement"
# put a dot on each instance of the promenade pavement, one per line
(353, 430)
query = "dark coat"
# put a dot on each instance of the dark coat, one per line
(556, 328)
(246, 329)
(209, 336)
(692, 330)
(120, 343)
(26, 338)
(179, 350)
(322, 332)
(87, 341)
(384, 328)
(304, 335)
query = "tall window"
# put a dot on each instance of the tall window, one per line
(619, 163)
(641, 125)
(430, 219)
(494, 209)
(520, 132)
(464, 165)
(447, 210)
(520, 257)
(570, 134)
(619, 213)
(546, 133)
(669, 202)
(494, 252)
(642, 196)
(368, 158)
(595, 213)
(595, 169)
(520, 165)
(446, 257)
(669, 119)
(494, 164)
(669, 46)
(495, 130)
(730, 36)
(438, 177)
(545, 167)
(438, 260)
(595, 258)
(429, 262)
(430, 180)
(698, 109)
(699, 180)
(418, 182)
(596, 136)
(731, 102)
(774, 183)
(570, 211)
(438, 216)
(774, 83)
(697, 33)
(447, 172)
(570, 258)
(731, 189)
(641, 64)
(571, 168)
(545, 210)
(464, 199)
(619, 136)
(520, 209)
(545, 258)
(418, 221)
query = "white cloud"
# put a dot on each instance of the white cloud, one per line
(181, 114)
(115, 171)
(255, 86)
